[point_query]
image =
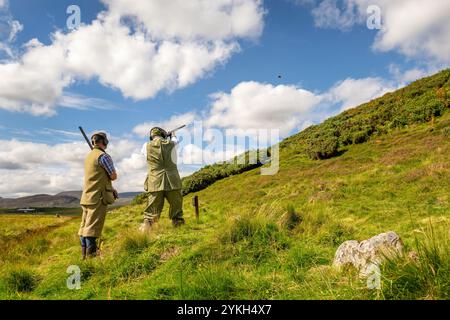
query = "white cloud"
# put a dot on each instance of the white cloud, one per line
(196, 155)
(253, 105)
(416, 28)
(158, 49)
(353, 92)
(405, 77)
(329, 15)
(55, 168)
(81, 102)
(9, 28)
(191, 20)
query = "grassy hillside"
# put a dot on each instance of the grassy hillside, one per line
(270, 237)
(421, 101)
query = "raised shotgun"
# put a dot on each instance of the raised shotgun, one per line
(85, 137)
(170, 133)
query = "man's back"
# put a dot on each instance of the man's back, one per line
(162, 168)
(95, 178)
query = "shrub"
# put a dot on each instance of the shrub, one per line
(212, 173)
(140, 199)
(362, 136)
(322, 147)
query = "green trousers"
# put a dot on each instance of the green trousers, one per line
(156, 203)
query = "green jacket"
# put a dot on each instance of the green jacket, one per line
(162, 171)
(97, 184)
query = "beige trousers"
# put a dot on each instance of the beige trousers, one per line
(92, 220)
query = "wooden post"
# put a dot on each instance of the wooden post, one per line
(195, 204)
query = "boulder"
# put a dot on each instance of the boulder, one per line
(365, 254)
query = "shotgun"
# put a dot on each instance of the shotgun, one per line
(170, 133)
(85, 137)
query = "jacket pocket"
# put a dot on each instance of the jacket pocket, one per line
(108, 196)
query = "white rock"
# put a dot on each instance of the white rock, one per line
(365, 254)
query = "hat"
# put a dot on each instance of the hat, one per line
(99, 136)
(156, 131)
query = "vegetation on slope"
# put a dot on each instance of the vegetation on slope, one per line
(419, 102)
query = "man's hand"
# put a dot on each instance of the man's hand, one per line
(113, 176)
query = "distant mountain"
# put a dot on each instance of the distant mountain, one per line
(41, 201)
(66, 199)
(75, 194)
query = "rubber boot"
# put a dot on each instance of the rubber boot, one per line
(91, 251)
(83, 253)
(178, 222)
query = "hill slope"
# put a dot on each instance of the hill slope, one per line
(270, 237)
(420, 102)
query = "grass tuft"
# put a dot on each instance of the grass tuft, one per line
(21, 280)
(426, 275)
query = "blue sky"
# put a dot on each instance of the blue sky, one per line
(327, 57)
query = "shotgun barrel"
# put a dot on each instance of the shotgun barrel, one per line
(85, 137)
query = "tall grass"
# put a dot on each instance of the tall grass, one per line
(425, 273)
(20, 280)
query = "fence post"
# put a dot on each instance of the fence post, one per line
(196, 206)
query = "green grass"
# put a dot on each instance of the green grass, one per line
(265, 237)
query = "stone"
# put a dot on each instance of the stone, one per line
(366, 254)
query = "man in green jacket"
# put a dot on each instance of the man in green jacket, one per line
(163, 180)
(97, 194)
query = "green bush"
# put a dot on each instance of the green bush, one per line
(323, 147)
(212, 173)
(140, 199)
(419, 102)
(362, 136)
